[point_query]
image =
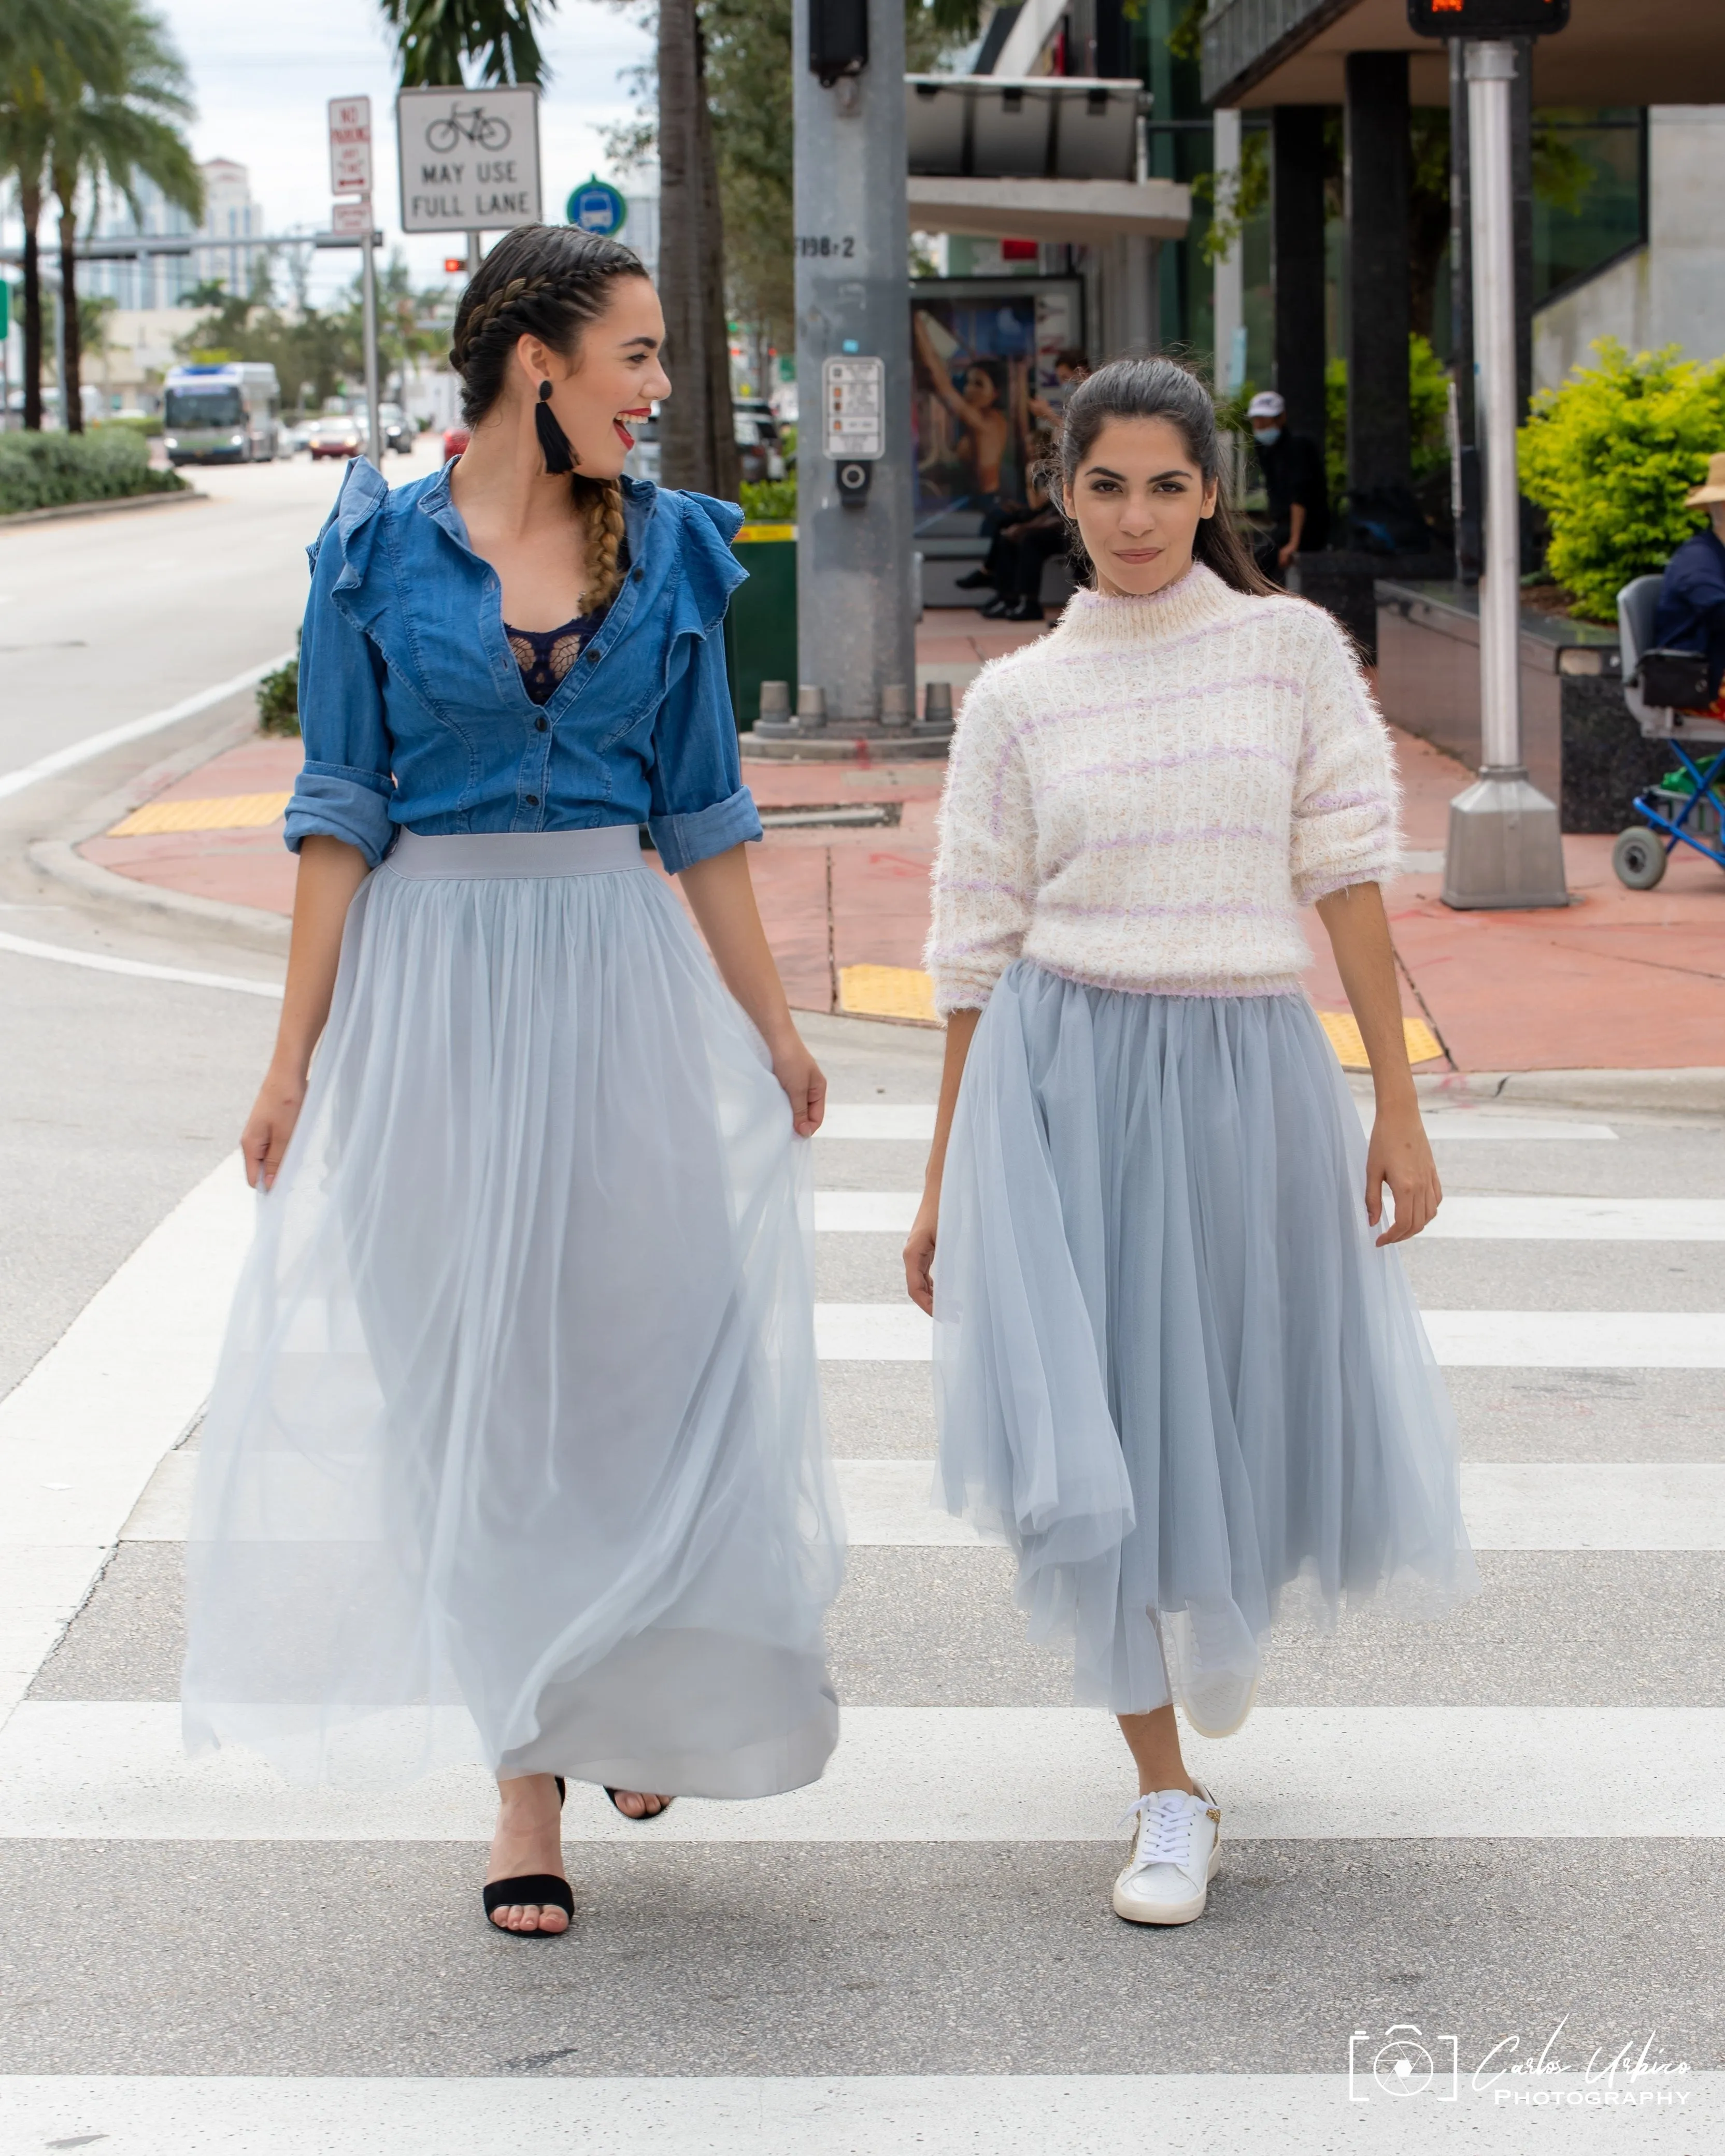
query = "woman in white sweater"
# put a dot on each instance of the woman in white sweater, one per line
(1177, 1365)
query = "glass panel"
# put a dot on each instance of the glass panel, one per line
(219, 406)
(1589, 180)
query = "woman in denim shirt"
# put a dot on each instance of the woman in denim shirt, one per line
(515, 1444)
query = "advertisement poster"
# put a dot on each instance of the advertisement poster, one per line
(986, 391)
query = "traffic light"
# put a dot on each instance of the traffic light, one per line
(838, 38)
(1486, 18)
(454, 265)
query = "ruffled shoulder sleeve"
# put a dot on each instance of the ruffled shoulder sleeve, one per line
(351, 528)
(711, 570)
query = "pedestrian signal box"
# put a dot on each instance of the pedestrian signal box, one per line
(838, 38)
(1487, 18)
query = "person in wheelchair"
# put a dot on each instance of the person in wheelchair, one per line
(1691, 614)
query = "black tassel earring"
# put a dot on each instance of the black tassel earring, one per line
(553, 442)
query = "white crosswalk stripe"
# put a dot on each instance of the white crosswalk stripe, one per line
(87, 1465)
(1463, 1217)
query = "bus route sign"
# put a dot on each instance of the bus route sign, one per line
(596, 206)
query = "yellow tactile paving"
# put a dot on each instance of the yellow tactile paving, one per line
(1342, 1027)
(224, 812)
(885, 992)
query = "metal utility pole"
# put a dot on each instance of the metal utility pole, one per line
(1506, 846)
(368, 312)
(855, 610)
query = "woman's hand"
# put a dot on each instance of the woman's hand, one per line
(271, 1125)
(919, 1253)
(803, 1081)
(1399, 1154)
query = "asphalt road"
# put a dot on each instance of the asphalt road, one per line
(1484, 1830)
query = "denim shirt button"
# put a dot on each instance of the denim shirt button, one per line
(532, 800)
(542, 724)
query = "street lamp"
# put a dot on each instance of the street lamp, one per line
(1505, 847)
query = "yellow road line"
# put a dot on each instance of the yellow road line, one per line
(225, 812)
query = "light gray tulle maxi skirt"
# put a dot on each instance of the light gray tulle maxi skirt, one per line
(1172, 1368)
(514, 1451)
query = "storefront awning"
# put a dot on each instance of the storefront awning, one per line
(1081, 213)
(1613, 52)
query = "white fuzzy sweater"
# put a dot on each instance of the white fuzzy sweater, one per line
(1143, 799)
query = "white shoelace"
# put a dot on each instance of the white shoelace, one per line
(1164, 1827)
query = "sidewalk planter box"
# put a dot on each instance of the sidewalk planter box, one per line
(1344, 580)
(761, 628)
(1582, 748)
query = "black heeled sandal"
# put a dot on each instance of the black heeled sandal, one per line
(645, 1817)
(533, 1889)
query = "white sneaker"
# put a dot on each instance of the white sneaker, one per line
(1177, 1850)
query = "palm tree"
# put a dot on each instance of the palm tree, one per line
(436, 40)
(119, 129)
(697, 439)
(48, 48)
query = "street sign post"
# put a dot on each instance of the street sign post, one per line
(351, 174)
(596, 206)
(350, 145)
(1505, 847)
(469, 158)
(855, 540)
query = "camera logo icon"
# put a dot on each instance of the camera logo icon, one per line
(1402, 2062)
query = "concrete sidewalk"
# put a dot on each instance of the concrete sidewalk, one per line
(1618, 980)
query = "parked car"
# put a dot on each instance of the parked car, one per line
(455, 439)
(399, 431)
(335, 434)
(299, 436)
(755, 427)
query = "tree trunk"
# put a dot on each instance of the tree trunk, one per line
(698, 442)
(71, 353)
(30, 209)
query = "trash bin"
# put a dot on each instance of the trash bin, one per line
(761, 628)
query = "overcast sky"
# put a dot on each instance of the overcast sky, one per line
(263, 74)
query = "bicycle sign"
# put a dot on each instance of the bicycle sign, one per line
(473, 125)
(470, 158)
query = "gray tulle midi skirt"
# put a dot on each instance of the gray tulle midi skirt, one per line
(1172, 1368)
(514, 1451)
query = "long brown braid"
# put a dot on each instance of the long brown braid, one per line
(548, 281)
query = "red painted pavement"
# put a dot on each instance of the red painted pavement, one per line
(1620, 979)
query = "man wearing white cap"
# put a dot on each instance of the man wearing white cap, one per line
(1691, 616)
(1293, 468)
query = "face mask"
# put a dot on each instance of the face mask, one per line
(1267, 436)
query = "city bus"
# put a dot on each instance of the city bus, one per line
(222, 412)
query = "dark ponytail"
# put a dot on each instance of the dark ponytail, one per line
(548, 281)
(1155, 389)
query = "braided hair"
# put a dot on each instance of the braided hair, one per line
(548, 281)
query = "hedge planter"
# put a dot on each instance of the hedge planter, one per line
(56, 471)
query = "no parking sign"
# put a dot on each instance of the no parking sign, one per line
(596, 206)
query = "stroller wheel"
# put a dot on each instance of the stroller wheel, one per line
(1638, 859)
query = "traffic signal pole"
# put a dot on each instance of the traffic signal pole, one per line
(1505, 845)
(856, 626)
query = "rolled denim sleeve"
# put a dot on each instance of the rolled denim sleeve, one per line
(700, 806)
(344, 785)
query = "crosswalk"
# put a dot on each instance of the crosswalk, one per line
(1479, 1831)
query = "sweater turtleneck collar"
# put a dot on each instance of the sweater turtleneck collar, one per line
(1191, 602)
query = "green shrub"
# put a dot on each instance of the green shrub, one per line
(141, 423)
(279, 700)
(1610, 456)
(47, 471)
(769, 500)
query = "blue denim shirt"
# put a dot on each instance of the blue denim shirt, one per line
(413, 709)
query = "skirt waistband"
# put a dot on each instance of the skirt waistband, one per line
(478, 854)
